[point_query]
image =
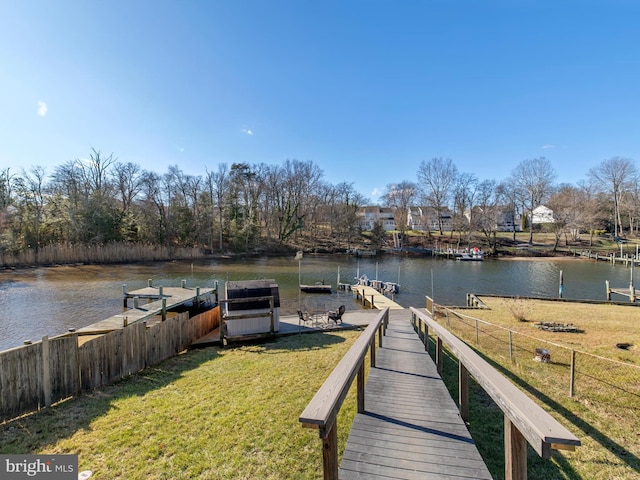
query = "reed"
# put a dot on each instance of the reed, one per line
(60, 254)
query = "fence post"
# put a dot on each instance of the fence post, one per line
(463, 392)
(46, 372)
(477, 342)
(572, 376)
(510, 346)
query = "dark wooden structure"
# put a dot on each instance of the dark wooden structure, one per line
(250, 310)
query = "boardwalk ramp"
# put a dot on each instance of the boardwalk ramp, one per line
(411, 427)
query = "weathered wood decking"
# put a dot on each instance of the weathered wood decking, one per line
(411, 427)
(372, 298)
(173, 297)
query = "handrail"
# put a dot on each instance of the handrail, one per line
(322, 410)
(524, 419)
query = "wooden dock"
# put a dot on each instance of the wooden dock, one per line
(163, 299)
(411, 428)
(371, 297)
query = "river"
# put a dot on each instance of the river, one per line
(36, 302)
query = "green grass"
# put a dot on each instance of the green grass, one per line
(233, 414)
(211, 413)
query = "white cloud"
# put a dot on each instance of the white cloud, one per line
(42, 108)
(247, 131)
(376, 192)
(547, 147)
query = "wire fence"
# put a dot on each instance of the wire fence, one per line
(557, 369)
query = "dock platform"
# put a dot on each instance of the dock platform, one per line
(166, 298)
(373, 298)
(411, 427)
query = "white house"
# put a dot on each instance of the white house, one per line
(542, 214)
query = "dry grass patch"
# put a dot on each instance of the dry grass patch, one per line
(602, 325)
(605, 409)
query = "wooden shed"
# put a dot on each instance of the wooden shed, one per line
(247, 308)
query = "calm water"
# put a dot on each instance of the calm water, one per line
(49, 301)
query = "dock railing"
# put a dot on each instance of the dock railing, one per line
(322, 410)
(524, 420)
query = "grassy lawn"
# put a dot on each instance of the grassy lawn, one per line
(210, 413)
(233, 413)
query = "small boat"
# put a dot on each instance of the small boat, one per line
(475, 255)
(316, 288)
(380, 286)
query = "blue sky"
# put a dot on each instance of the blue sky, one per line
(365, 89)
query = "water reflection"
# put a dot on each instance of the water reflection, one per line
(49, 301)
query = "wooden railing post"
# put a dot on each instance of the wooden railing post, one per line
(372, 352)
(330, 453)
(426, 337)
(515, 452)
(439, 355)
(380, 331)
(360, 388)
(463, 392)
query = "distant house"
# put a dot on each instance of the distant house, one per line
(424, 219)
(542, 214)
(508, 221)
(498, 218)
(368, 216)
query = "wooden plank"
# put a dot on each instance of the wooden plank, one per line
(411, 427)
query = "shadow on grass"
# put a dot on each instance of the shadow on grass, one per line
(488, 409)
(37, 431)
(487, 429)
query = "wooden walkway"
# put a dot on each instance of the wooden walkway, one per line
(370, 296)
(411, 428)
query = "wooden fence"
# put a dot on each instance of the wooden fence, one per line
(37, 375)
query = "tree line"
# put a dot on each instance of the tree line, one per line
(243, 207)
(607, 201)
(240, 207)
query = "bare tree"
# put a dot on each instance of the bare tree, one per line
(400, 197)
(532, 181)
(489, 210)
(436, 177)
(615, 176)
(29, 190)
(465, 189)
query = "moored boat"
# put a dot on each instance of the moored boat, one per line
(316, 288)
